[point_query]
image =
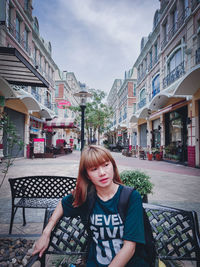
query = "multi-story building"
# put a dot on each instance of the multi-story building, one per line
(63, 124)
(122, 99)
(168, 86)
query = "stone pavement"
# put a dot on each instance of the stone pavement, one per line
(175, 185)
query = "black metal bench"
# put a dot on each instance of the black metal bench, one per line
(38, 192)
(175, 231)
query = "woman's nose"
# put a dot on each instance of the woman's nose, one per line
(101, 170)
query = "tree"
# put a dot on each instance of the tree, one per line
(13, 140)
(97, 115)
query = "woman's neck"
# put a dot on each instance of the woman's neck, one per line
(107, 192)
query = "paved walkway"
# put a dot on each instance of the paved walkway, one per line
(175, 185)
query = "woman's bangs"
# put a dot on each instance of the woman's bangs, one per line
(95, 158)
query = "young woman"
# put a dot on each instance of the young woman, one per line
(114, 243)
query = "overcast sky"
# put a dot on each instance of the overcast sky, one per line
(98, 40)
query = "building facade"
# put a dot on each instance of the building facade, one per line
(122, 100)
(168, 88)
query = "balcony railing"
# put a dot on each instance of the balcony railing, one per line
(197, 56)
(48, 104)
(36, 96)
(142, 103)
(175, 27)
(194, 4)
(19, 38)
(174, 75)
(124, 116)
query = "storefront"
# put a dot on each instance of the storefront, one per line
(18, 120)
(155, 142)
(143, 135)
(176, 134)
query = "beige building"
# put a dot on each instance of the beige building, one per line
(122, 100)
(168, 84)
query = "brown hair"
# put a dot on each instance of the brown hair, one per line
(92, 156)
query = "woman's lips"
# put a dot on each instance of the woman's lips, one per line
(104, 180)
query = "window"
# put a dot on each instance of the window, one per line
(134, 89)
(18, 29)
(165, 32)
(156, 51)
(26, 4)
(134, 108)
(57, 91)
(174, 61)
(156, 85)
(174, 20)
(26, 39)
(142, 94)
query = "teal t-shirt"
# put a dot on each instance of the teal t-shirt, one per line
(108, 229)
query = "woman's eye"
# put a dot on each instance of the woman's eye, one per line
(106, 164)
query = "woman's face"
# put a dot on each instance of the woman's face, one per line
(102, 175)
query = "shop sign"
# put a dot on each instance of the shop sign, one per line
(64, 104)
(38, 147)
(119, 133)
(2, 101)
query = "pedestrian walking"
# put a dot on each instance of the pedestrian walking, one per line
(114, 242)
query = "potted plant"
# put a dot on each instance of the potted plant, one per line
(139, 180)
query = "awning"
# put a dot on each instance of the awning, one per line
(61, 123)
(15, 69)
(36, 119)
(190, 84)
(6, 90)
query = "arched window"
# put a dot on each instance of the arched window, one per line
(156, 85)
(174, 60)
(156, 19)
(142, 94)
(36, 25)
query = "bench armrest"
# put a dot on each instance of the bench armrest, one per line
(32, 260)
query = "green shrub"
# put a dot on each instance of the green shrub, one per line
(139, 180)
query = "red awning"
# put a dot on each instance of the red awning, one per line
(61, 123)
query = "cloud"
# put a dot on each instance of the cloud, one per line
(96, 39)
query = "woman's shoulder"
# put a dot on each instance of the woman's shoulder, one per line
(134, 194)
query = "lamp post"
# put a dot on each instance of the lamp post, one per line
(83, 94)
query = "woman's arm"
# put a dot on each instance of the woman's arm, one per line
(43, 242)
(124, 255)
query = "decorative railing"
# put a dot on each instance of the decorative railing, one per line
(174, 75)
(124, 116)
(142, 103)
(19, 38)
(36, 96)
(194, 4)
(47, 104)
(175, 27)
(197, 56)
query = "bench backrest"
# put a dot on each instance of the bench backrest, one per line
(175, 231)
(176, 234)
(42, 186)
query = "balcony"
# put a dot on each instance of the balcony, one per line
(124, 116)
(174, 29)
(197, 56)
(19, 38)
(174, 75)
(36, 96)
(48, 104)
(142, 103)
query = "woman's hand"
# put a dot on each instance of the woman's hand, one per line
(41, 244)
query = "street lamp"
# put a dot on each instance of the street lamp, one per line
(83, 94)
